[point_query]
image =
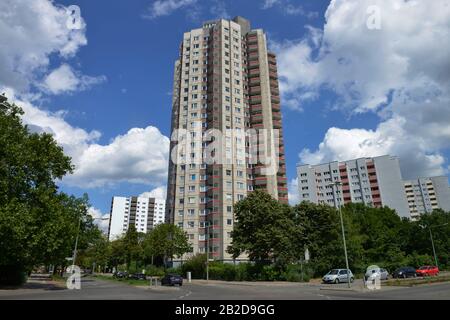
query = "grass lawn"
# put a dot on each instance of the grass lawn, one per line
(131, 282)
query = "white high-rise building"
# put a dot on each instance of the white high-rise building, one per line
(427, 194)
(143, 213)
(373, 181)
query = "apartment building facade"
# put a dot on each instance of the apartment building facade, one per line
(373, 181)
(225, 118)
(427, 194)
(142, 212)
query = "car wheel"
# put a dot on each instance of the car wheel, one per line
(336, 281)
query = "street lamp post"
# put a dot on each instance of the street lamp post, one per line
(432, 242)
(333, 185)
(74, 256)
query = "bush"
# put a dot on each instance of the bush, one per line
(416, 260)
(294, 273)
(12, 275)
(222, 271)
(154, 271)
(176, 270)
(196, 265)
(269, 273)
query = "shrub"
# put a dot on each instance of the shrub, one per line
(295, 273)
(416, 260)
(196, 265)
(12, 275)
(154, 271)
(222, 271)
(176, 270)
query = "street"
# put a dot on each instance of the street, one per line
(95, 289)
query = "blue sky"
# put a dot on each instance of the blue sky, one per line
(346, 91)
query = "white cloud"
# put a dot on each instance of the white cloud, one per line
(288, 8)
(161, 8)
(65, 80)
(100, 219)
(139, 156)
(159, 193)
(31, 31)
(269, 3)
(219, 11)
(400, 72)
(293, 192)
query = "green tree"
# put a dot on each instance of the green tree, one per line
(38, 224)
(166, 240)
(266, 230)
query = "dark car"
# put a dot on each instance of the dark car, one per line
(172, 279)
(137, 276)
(404, 272)
(120, 274)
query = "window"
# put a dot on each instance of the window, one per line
(191, 212)
(229, 222)
(191, 200)
(191, 224)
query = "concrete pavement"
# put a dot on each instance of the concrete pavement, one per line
(95, 289)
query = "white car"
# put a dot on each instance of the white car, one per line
(338, 276)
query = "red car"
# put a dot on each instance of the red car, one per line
(427, 271)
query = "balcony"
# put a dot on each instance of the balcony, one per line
(275, 99)
(255, 99)
(252, 40)
(256, 118)
(253, 56)
(254, 81)
(255, 90)
(252, 48)
(253, 72)
(277, 124)
(273, 75)
(282, 180)
(275, 107)
(253, 64)
(276, 115)
(256, 108)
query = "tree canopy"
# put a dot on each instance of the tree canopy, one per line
(38, 224)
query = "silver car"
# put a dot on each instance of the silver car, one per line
(373, 272)
(338, 276)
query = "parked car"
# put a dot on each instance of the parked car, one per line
(404, 272)
(172, 279)
(376, 271)
(137, 276)
(120, 274)
(429, 271)
(338, 276)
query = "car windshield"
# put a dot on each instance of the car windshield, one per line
(334, 271)
(423, 268)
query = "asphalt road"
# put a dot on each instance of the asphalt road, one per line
(95, 289)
